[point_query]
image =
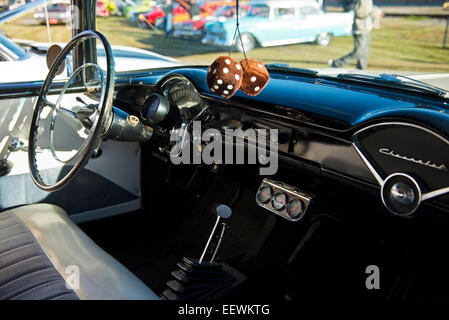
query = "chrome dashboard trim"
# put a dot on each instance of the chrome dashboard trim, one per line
(368, 164)
(424, 196)
(401, 124)
(435, 193)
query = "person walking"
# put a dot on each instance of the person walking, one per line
(361, 29)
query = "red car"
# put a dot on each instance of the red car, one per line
(195, 28)
(180, 14)
(102, 9)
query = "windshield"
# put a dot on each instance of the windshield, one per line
(332, 36)
(259, 10)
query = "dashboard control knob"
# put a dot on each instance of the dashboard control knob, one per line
(401, 194)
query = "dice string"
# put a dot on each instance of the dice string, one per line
(237, 31)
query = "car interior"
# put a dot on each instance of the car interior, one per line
(90, 194)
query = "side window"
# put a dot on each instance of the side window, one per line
(259, 11)
(284, 13)
(307, 11)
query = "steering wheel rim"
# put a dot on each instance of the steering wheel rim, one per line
(96, 131)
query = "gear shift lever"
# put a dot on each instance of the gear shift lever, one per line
(223, 212)
(202, 280)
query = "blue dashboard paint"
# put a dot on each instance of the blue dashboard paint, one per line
(348, 103)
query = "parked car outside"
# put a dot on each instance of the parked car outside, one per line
(273, 23)
(58, 13)
(16, 4)
(102, 9)
(16, 61)
(156, 16)
(195, 28)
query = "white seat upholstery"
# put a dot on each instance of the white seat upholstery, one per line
(68, 249)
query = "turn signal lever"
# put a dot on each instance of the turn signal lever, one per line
(120, 125)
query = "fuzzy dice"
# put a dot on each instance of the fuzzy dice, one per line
(224, 76)
(255, 76)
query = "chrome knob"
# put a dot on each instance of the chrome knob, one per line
(403, 194)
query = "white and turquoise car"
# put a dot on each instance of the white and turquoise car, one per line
(273, 23)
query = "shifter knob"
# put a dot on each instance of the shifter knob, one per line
(224, 211)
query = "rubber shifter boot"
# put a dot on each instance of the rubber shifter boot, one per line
(205, 281)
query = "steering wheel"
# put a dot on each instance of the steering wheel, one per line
(97, 118)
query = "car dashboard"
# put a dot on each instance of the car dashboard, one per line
(386, 149)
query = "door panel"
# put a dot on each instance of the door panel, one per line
(108, 185)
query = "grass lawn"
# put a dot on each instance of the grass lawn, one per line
(401, 44)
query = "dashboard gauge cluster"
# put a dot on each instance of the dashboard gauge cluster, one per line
(283, 200)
